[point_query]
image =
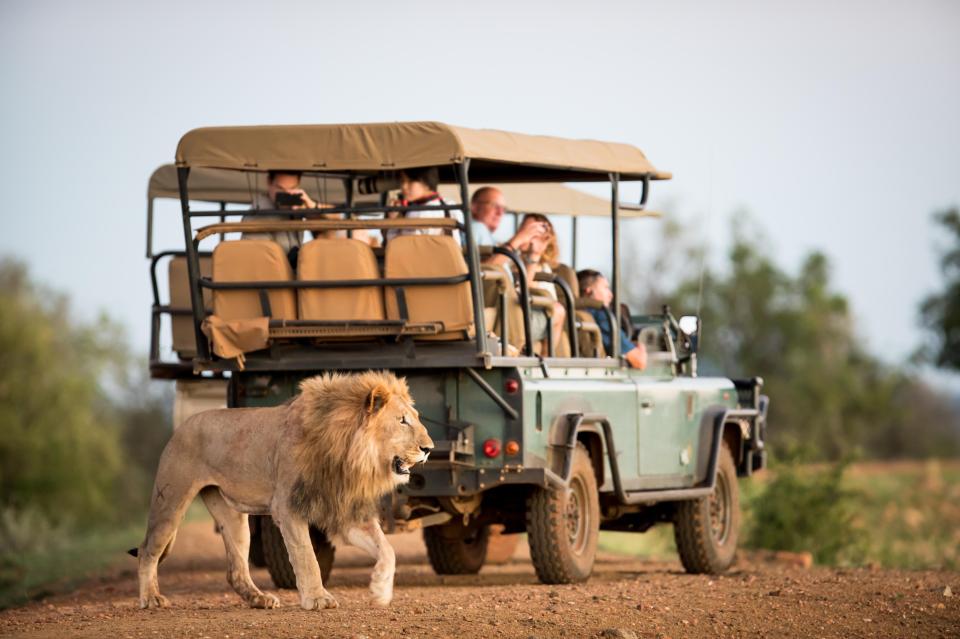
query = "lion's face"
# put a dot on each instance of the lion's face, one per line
(403, 439)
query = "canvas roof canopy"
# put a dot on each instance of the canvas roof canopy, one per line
(239, 187)
(495, 156)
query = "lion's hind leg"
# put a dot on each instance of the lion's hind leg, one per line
(236, 540)
(371, 539)
(167, 507)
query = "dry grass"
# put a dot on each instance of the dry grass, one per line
(907, 514)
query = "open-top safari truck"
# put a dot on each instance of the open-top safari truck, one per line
(559, 441)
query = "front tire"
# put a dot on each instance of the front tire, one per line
(277, 559)
(454, 549)
(563, 526)
(707, 529)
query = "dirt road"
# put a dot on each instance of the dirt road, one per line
(757, 598)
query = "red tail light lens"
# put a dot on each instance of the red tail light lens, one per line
(491, 448)
(511, 386)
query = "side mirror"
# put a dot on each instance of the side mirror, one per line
(690, 325)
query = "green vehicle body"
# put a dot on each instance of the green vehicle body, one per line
(656, 447)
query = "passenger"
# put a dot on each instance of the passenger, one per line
(487, 208)
(593, 285)
(288, 183)
(541, 255)
(418, 187)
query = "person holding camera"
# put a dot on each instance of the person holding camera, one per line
(283, 193)
(418, 187)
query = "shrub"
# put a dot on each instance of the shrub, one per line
(804, 509)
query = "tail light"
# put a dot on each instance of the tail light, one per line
(491, 448)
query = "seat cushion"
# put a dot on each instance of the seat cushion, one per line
(339, 259)
(251, 261)
(430, 256)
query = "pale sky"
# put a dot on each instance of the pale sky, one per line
(836, 125)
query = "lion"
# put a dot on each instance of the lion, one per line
(324, 458)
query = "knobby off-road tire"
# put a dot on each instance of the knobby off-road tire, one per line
(278, 560)
(563, 526)
(454, 549)
(707, 529)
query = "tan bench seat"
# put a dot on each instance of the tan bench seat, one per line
(416, 256)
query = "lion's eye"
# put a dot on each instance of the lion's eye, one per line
(403, 420)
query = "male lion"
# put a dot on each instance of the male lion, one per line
(324, 458)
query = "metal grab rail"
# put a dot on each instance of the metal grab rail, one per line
(380, 281)
(524, 295)
(366, 209)
(570, 306)
(259, 226)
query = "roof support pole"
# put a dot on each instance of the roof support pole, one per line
(573, 256)
(473, 258)
(193, 265)
(615, 269)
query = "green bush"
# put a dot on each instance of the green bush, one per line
(807, 509)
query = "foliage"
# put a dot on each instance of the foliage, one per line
(81, 438)
(830, 397)
(60, 452)
(807, 509)
(940, 313)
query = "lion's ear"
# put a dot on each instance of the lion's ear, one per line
(377, 399)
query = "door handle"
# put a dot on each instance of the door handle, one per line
(646, 403)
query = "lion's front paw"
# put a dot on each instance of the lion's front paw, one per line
(154, 601)
(325, 600)
(382, 595)
(264, 600)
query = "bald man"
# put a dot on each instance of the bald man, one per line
(486, 208)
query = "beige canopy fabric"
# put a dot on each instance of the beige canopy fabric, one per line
(222, 185)
(235, 187)
(495, 155)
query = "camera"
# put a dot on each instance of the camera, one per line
(288, 199)
(377, 184)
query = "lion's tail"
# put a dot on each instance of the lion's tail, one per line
(135, 552)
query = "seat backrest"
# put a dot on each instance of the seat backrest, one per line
(339, 259)
(570, 277)
(430, 256)
(251, 261)
(178, 280)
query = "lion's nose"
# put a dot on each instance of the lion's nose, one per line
(426, 449)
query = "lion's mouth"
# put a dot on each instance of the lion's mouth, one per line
(399, 468)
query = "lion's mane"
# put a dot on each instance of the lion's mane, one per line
(341, 474)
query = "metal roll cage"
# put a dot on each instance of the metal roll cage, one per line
(473, 275)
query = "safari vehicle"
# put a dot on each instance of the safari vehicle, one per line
(560, 441)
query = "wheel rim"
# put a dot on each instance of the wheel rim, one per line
(720, 511)
(576, 516)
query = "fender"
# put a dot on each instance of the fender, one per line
(711, 438)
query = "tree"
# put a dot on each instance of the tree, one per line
(80, 436)
(940, 312)
(828, 394)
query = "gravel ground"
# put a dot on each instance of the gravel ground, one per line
(626, 597)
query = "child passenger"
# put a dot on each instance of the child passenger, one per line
(595, 286)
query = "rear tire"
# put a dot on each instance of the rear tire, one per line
(455, 549)
(278, 560)
(256, 545)
(707, 529)
(563, 526)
